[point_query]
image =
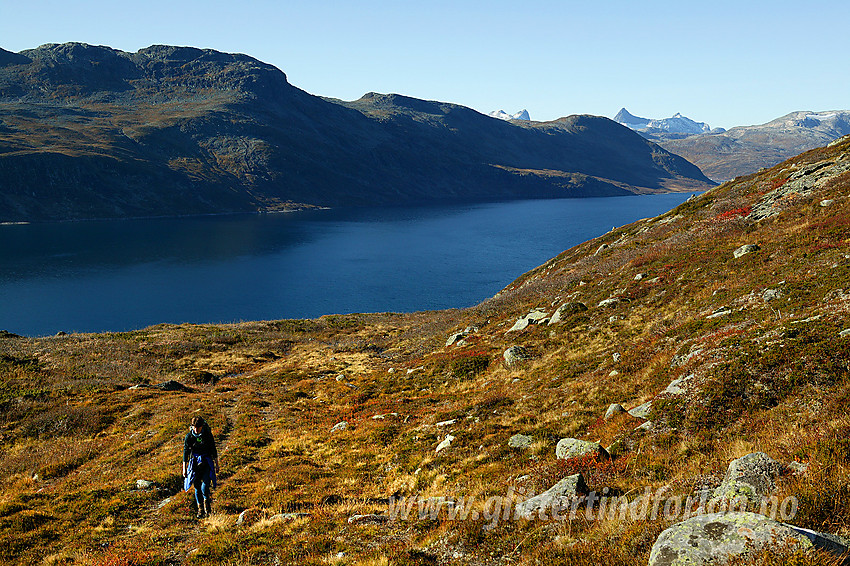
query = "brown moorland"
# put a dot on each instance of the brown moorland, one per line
(766, 371)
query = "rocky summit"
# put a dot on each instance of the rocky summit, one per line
(92, 132)
(452, 437)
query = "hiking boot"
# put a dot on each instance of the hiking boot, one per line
(201, 513)
(208, 506)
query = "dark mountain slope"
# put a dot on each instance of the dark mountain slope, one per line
(94, 132)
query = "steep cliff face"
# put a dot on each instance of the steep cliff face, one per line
(90, 131)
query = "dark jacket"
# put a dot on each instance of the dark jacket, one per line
(199, 446)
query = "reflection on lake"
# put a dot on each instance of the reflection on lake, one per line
(126, 274)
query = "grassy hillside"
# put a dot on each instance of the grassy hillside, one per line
(756, 337)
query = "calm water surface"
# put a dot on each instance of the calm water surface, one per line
(127, 274)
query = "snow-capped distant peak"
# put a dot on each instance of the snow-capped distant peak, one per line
(676, 124)
(502, 115)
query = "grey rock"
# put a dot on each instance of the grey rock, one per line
(537, 316)
(616, 356)
(720, 312)
(520, 441)
(771, 294)
(826, 202)
(565, 310)
(519, 325)
(640, 276)
(575, 448)
(752, 476)
(678, 386)
(746, 249)
(514, 355)
(342, 425)
(610, 302)
(455, 338)
(601, 248)
(560, 496)
(144, 484)
(645, 427)
(716, 537)
(641, 411)
(369, 519)
(614, 409)
(844, 333)
(445, 443)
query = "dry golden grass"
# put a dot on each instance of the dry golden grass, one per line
(74, 438)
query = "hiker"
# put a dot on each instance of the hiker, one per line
(200, 464)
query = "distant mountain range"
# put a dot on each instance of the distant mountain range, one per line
(502, 115)
(726, 154)
(90, 131)
(676, 124)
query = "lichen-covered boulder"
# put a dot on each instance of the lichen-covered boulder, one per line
(575, 448)
(752, 476)
(554, 500)
(520, 441)
(565, 310)
(514, 355)
(614, 409)
(717, 537)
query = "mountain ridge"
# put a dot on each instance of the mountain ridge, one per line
(90, 131)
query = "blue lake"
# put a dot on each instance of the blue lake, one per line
(126, 274)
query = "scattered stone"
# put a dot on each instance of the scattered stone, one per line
(641, 411)
(609, 302)
(139, 386)
(565, 310)
(771, 294)
(520, 441)
(677, 386)
(446, 423)
(445, 443)
(614, 409)
(537, 316)
(515, 354)
(746, 249)
(752, 476)
(163, 503)
(563, 495)
(342, 425)
(519, 325)
(575, 448)
(144, 484)
(844, 333)
(455, 338)
(370, 519)
(723, 311)
(640, 276)
(645, 427)
(826, 202)
(716, 537)
(616, 356)
(655, 280)
(614, 373)
(601, 248)
(249, 516)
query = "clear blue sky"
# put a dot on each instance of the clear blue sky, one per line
(723, 62)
